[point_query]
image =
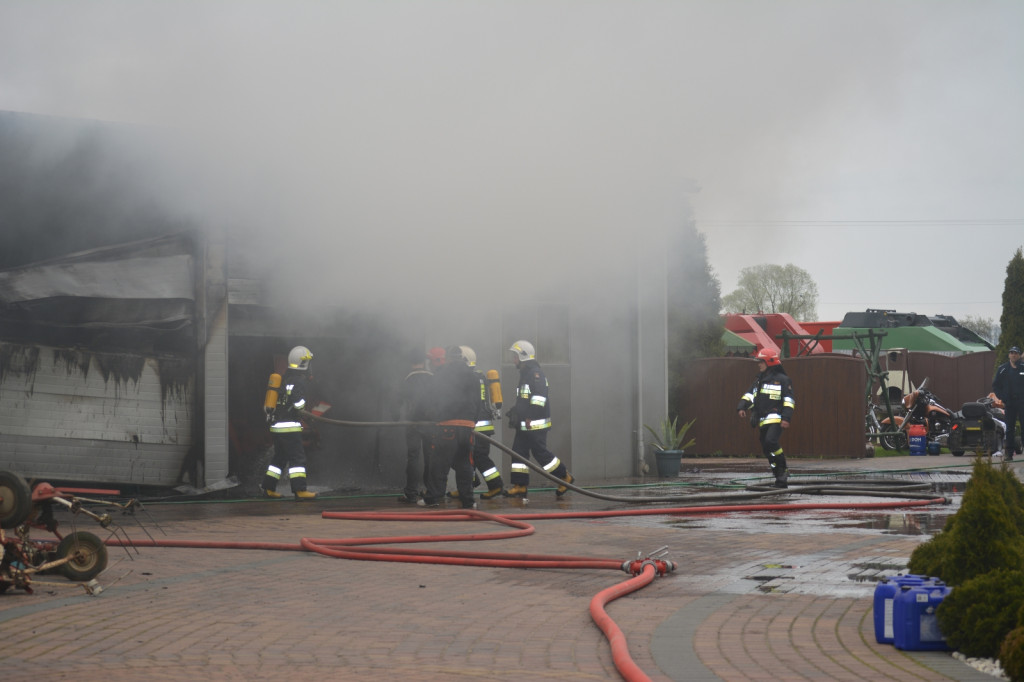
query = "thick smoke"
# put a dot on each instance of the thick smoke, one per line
(375, 152)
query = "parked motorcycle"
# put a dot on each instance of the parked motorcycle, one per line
(873, 426)
(978, 426)
(922, 407)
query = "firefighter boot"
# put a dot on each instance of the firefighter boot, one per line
(304, 495)
(778, 464)
(454, 494)
(561, 490)
(495, 488)
(267, 492)
(515, 490)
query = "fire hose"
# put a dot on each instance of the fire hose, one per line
(642, 570)
(868, 487)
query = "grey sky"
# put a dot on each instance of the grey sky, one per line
(878, 145)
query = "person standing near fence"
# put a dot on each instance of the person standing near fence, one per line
(1009, 387)
(769, 405)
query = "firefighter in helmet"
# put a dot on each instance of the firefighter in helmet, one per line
(531, 419)
(769, 405)
(286, 428)
(486, 416)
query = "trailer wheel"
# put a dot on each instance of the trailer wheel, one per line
(15, 500)
(88, 556)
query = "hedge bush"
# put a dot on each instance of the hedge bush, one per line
(977, 615)
(1011, 655)
(986, 534)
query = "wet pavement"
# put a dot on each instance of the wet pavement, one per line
(780, 593)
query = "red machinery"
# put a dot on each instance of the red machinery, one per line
(79, 555)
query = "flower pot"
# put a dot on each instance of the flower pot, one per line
(668, 462)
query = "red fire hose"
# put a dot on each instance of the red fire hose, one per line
(624, 663)
(643, 570)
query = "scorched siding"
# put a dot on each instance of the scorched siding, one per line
(114, 418)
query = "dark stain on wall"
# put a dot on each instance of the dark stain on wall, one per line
(19, 361)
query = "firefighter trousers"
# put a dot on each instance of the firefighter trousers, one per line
(450, 448)
(535, 444)
(288, 452)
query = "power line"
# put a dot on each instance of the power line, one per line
(959, 222)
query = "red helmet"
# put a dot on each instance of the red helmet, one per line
(770, 357)
(435, 356)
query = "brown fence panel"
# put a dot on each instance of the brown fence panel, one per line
(829, 389)
(954, 380)
(829, 417)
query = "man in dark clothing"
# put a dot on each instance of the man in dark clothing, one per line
(485, 418)
(454, 392)
(1009, 387)
(286, 428)
(772, 402)
(414, 397)
(531, 418)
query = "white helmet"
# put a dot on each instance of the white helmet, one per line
(299, 357)
(469, 355)
(523, 350)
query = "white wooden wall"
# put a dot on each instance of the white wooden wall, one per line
(78, 416)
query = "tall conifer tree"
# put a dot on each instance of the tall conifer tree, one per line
(1012, 319)
(694, 300)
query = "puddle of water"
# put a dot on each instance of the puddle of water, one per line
(853, 521)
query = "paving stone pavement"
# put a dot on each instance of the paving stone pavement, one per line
(765, 596)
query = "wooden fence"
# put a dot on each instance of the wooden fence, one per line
(830, 404)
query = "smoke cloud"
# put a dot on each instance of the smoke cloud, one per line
(394, 151)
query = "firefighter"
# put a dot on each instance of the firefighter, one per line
(530, 416)
(453, 392)
(769, 404)
(414, 398)
(286, 428)
(486, 416)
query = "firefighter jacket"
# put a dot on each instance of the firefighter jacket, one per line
(455, 393)
(485, 413)
(1009, 384)
(771, 397)
(531, 411)
(415, 396)
(291, 401)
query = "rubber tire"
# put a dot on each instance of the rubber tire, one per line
(90, 556)
(954, 443)
(893, 441)
(16, 503)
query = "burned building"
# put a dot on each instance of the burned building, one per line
(135, 344)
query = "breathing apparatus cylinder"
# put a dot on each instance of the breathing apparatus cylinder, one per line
(494, 388)
(270, 402)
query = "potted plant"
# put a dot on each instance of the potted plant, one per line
(669, 442)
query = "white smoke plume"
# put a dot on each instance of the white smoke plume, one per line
(390, 151)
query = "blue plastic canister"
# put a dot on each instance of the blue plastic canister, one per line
(915, 626)
(885, 593)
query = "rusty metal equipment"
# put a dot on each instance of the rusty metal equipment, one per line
(79, 556)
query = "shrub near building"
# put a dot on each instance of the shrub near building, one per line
(980, 552)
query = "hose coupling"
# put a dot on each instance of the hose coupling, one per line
(656, 559)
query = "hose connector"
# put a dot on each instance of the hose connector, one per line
(656, 559)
